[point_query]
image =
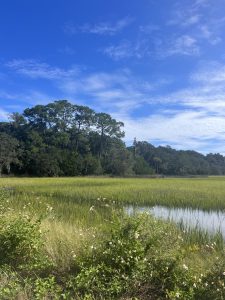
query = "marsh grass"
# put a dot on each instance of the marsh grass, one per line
(78, 215)
(74, 209)
(204, 193)
(64, 243)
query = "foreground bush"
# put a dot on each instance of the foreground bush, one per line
(134, 262)
(20, 241)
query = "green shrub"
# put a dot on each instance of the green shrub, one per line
(21, 244)
(111, 264)
(46, 288)
(127, 258)
(10, 286)
(212, 284)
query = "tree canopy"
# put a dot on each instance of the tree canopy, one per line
(65, 139)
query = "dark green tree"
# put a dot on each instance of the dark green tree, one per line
(107, 127)
(8, 152)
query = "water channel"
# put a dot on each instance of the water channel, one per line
(212, 221)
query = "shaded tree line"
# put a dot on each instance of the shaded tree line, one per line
(168, 161)
(64, 139)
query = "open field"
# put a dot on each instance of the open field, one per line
(90, 250)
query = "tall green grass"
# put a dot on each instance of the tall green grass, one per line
(204, 193)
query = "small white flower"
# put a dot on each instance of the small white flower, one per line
(92, 208)
(136, 235)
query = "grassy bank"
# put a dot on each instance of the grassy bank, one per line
(67, 238)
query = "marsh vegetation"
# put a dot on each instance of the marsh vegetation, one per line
(69, 238)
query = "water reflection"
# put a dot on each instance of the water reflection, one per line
(211, 222)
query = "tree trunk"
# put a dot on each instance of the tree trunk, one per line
(101, 143)
(8, 168)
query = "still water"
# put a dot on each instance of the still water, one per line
(211, 222)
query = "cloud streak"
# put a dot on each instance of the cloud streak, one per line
(127, 49)
(192, 26)
(34, 69)
(182, 45)
(186, 130)
(102, 28)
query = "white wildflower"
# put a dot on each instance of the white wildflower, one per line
(92, 208)
(136, 235)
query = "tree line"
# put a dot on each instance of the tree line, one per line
(64, 139)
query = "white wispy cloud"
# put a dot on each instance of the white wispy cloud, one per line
(182, 45)
(198, 22)
(185, 18)
(187, 13)
(198, 122)
(115, 91)
(193, 26)
(210, 73)
(34, 69)
(120, 51)
(102, 28)
(185, 45)
(207, 33)
(127, 49)
(205, 91)
(186, 130)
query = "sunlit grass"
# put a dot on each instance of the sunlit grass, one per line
(204, 193)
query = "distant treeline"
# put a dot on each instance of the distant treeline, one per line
(63, 139)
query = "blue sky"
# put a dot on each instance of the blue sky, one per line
(156, 65)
